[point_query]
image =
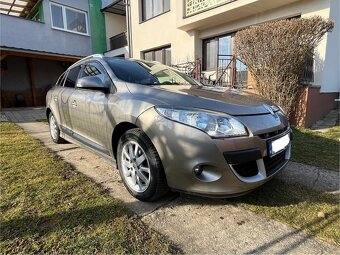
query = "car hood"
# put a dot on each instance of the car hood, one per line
(202, 97)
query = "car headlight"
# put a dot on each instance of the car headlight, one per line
(214, 124)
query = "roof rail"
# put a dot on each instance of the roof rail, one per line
(89, 57)
(94, 56)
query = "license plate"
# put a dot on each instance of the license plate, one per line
(278, 145)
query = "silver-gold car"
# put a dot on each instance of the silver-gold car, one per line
(165, 130)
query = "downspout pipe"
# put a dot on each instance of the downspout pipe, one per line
(129, 27)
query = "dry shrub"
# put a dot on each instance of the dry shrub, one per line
(276, 53)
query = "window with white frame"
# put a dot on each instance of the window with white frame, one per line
(69, 19)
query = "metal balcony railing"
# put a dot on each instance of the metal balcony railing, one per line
(231, 72)
(118, 41)
(193, 7)
(193, 68)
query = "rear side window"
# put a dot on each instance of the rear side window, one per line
(72, 77)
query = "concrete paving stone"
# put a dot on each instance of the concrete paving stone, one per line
(12, 118)
(17, 114)
(3, 117)
(330, 120)
(20, 115)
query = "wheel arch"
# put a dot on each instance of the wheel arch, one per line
(48, 111)
(118, 131)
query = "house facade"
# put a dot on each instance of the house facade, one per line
(184, 31)
(40, 39)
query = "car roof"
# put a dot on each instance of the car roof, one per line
(101, 57)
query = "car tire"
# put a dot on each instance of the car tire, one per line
(145, 180)
(54, 129)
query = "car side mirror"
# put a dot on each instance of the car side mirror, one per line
(92, 82)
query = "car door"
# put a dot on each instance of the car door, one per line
(53, 101)
(64, 99)
(88, 110)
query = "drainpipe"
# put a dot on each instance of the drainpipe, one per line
(129, 27)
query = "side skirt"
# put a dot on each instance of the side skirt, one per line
(84, 143)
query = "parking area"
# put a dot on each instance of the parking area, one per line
(197, 225)
(20, 115)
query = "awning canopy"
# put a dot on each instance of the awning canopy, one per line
(19, 8)
(117, 7)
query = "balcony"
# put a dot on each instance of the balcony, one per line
(118, 41)
(193, 7)
(118, 46)
(203, 14)
(27, 35)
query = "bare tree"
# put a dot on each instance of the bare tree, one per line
(276, 53)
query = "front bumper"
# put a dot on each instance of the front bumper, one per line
(230, 166)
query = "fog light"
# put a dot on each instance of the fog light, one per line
(198, 170)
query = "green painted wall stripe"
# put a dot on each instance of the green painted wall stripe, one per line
(41, 12)
(98, 30)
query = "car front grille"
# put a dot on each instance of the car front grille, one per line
(274, 133)
(272, 164)
(247, 169)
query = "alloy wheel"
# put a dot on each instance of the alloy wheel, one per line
(53, 128)
(135, 166)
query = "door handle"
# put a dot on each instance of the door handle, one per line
(55, 98)
(74, 104)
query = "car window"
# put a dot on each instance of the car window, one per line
(148, 73)
(72, 77)
(95, 69)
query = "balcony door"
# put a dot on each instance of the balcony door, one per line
(216, 50)
(219, 60)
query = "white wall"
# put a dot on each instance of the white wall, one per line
(118, 52)
(161, 31)
(329, 76)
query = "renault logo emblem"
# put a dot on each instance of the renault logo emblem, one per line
(269, 109)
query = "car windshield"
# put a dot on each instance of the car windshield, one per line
(148, 73)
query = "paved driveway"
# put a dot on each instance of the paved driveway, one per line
(197, 225)
(26, 114)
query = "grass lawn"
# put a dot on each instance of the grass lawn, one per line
(296, 206)
(316, 148)
(48, 207)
